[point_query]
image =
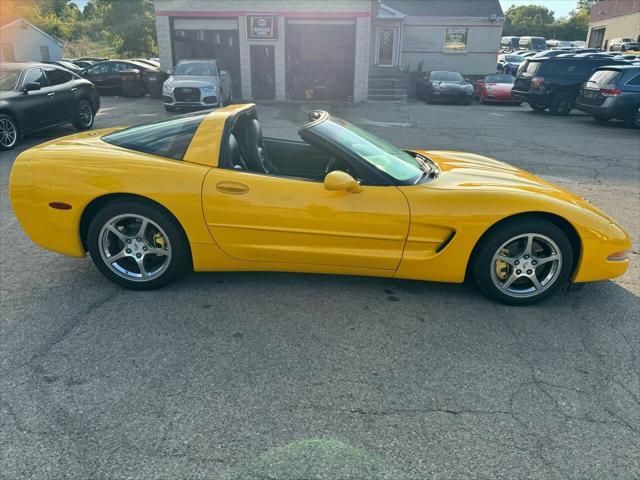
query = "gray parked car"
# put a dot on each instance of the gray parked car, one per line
(197, 83)
(612, 92)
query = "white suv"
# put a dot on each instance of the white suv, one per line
(196, 83)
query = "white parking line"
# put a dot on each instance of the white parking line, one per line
(498, 114)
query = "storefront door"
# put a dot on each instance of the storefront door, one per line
(386, 43)
(263, 72)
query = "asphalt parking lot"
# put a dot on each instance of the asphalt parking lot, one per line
(291, 376)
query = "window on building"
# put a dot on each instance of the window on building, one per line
(36, 75)
(57, 76)
(7, 52)
(456, 39)
(44, 53)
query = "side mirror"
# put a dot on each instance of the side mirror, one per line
(31, 86)
(339, 180)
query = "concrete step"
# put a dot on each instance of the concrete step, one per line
(387, 91)
(387, 82)
(387, 98)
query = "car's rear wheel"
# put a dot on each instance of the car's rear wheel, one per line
(523, 261)
(84, 116)
(561, 104)
(9, 133)
(137, 245)
(169, 108)
(634, 119)
(538, 107)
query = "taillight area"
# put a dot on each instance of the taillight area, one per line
(536, 82)
(610, 92)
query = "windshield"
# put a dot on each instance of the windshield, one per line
(446, 77)
(197, 69)
(68, 65)
(8, 78)
(499, 79)
(384, 156)
(514, 58)
(538, 43)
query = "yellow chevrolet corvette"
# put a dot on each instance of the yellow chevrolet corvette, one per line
(206, 191)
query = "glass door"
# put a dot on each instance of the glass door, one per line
(386, 47)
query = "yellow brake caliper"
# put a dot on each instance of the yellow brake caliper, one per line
(159, 241)
(502, 268)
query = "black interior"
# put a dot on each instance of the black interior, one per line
(248, 150)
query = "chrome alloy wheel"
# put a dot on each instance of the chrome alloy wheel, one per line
(526, 265)
(86, 114)
(134, 247)
(8, 133)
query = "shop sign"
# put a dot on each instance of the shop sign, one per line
(262, 27)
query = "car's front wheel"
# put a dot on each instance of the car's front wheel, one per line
(137, 245)
(9, 133)
(169, 108)
(538, 107)
(523, 261)
(84, 116)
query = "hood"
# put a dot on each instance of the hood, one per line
(501, 87)
(467, 171)
(462, 170)
(191, 81)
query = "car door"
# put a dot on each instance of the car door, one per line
(113, 77)
(63, 99)
(98, 74)
(264, 218)
(35, 105)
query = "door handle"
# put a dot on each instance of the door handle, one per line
(74, 89)
(51, 94)
(232, 188)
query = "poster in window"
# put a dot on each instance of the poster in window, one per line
(261, 27)
(455, 39)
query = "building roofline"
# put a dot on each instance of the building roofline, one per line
(23, 20)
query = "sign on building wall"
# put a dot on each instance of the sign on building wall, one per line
(262, 27)
(456, 39)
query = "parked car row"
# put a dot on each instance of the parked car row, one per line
(604, 87)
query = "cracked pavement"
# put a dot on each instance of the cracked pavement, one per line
(291, 376)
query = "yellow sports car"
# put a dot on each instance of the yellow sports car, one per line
(207, 191)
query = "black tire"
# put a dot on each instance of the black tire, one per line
(561, 103)
(482, 261)
(538, 107)
(601, 119)
(634, 119)
(84, 115)
(169, 108)
(9, 132)
(180, 259)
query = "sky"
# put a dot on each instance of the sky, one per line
(561, 7)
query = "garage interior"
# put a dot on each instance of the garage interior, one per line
(320, 59)
(223, 44)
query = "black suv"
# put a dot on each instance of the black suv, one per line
(612, 92)
(554, 83)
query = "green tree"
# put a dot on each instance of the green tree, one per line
(531, 20)
(129, 25)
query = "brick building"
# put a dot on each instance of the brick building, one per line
(613, 19)
(329, 49)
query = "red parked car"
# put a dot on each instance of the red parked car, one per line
(496, 88)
